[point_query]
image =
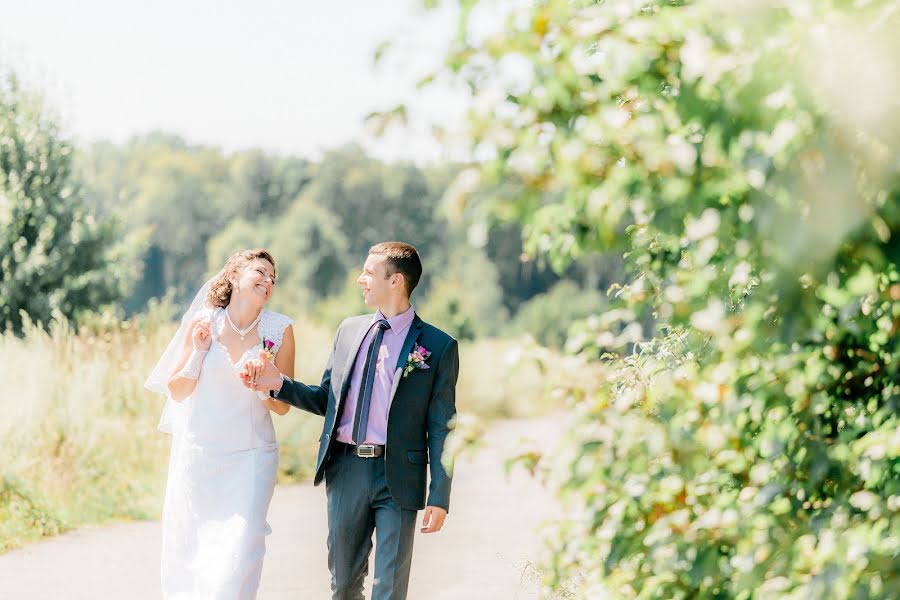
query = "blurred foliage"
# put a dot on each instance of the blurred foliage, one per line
(310, 253)
(184, 194)
(743, 158)
(375, 202)
(549, 316)
(314, 254)
(319, 219)
(55, 257)
(346, 303)
(238, 234)
(465, 296)
(267, 185)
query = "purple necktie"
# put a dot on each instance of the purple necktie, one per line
(361, 419)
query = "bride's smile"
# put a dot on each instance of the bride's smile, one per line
(257, 277)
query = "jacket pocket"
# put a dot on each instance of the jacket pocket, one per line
(417, 457)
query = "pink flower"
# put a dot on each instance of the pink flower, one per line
(416, 360)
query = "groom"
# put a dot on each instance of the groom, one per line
(388, 395)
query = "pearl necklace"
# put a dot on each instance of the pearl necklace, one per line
(242, 332)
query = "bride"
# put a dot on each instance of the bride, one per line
(224, 456)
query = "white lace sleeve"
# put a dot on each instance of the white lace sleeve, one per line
(272, 326)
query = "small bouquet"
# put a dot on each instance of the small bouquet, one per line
(416, 360)
(267, 346)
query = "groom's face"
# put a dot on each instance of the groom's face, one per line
(375, 283)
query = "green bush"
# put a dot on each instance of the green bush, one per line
(745, 155)
(23, 515)
(463, 296)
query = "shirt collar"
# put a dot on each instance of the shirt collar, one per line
(399, 323)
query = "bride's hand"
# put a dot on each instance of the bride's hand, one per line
(261, 374)
(251, 372)
(201, 335)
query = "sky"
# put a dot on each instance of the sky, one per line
(288, 76)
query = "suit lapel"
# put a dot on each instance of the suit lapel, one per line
(351, 356)
(411, 337)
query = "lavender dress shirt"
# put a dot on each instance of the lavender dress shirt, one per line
(380, 404)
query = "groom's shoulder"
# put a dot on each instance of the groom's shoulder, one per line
(439, 337)
(357, 319)
(354, 322)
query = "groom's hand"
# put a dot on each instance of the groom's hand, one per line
(434, 519)
(262, 375)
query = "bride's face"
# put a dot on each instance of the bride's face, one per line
(256, 280)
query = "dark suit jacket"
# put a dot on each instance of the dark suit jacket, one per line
(422, 407)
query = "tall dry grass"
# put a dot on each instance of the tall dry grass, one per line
(77, 430)
(78, 437)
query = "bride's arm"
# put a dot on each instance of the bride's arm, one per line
(184, 376)
(284, 362)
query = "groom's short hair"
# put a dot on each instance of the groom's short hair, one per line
(401, 258)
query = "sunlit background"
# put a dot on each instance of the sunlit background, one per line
(669, 227)
(292, 78)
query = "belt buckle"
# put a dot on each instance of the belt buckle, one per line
(365, 450)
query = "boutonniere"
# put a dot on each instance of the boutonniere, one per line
(416, 360)
(267, 346)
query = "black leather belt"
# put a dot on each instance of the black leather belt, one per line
(363, 450)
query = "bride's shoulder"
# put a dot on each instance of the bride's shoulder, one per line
(277, 318)
(273, 326)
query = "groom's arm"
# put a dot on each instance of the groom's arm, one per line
(311, 398)
(441, 411)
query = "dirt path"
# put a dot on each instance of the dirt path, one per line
(483, 552)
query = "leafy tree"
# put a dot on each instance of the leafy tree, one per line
(310, 253)
(236, 236)
(375, 202)
(549, 316)
(178, 194)
(54, 255)
(267, 185)
(743, 155)
(182, 195)
(187, 196)
(521, 276)
(465, 299)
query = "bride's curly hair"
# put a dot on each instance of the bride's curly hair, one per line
(221, 287)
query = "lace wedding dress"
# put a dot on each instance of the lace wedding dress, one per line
(221, 477)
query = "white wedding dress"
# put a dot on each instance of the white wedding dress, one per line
(221, 476)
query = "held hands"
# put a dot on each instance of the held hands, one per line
(433, 519)
(260, 374)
